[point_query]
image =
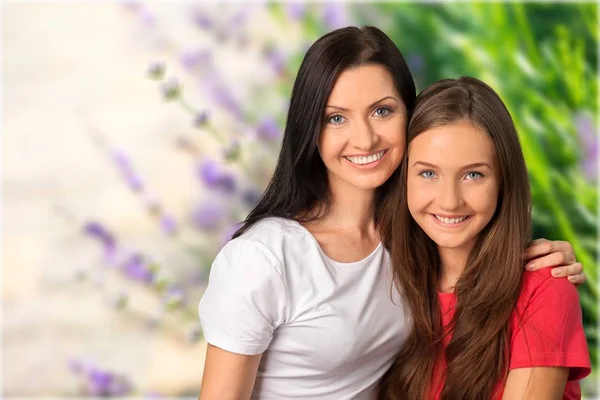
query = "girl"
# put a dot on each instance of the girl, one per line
(298, 303)
(456, 225)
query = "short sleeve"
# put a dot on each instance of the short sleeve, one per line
(548, 328)
(245, 300)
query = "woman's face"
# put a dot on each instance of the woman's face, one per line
(453, 183)
(363, 134)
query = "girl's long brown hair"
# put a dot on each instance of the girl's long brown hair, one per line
(487, 291)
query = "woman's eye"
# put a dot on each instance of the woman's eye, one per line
(428, 174)
(336, 119)
(474, 175)
(382, 111)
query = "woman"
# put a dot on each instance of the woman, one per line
(456, 225)
(298, 303)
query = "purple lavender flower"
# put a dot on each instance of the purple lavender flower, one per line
(106, 384)
(201, 19)
(77, 366)
(120, 386)
(334, 16)
(276, 59)
(156, 70)
(99, 382)
(227, 182)
(148, 19)
(110, 254)
(251, 197)
(295, 10)
(168, 224)
(225, 99)
(98, 231)
(220, 93)
(174, 297)
(135, 268)
(208, 215)
(192, 59)
(239, 18)
(133, 179)
(210, 172)
(201, 119)
(268, 130)
(214, 177)
(171, 89)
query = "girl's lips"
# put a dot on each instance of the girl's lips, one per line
(450, 225)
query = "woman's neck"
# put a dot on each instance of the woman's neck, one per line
(351, 210)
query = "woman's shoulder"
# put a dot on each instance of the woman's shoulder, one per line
(273, 236)
(272, 231)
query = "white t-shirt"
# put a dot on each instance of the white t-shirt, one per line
(328, 330)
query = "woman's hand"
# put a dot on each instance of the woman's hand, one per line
(543, 253)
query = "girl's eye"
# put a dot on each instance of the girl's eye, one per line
(428, 174)
(382, 112)
(336, 119)
(474, 176)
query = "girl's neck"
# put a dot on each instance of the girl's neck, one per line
(452, 265)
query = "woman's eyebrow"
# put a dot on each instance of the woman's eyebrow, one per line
(370, 106)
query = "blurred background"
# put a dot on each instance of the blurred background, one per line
(136, 135)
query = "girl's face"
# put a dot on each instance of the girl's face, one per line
(453, 183)
(363, 135)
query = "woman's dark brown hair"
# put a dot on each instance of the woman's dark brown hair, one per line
(487, 291)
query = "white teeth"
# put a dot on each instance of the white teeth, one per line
(450, 220)
(366, 160)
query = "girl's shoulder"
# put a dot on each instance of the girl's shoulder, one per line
(540, 287)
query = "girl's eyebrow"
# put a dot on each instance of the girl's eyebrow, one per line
(370, 106)
(425, 164)
(469, 166)
(477, 165)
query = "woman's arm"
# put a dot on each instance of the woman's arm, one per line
(539, 383)
(543, 253)
(228, 376)
(243, 305)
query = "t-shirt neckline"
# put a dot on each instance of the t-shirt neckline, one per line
(340, 264)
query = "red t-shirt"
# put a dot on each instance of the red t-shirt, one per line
(547, 331)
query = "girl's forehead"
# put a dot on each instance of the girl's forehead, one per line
(460, 142)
